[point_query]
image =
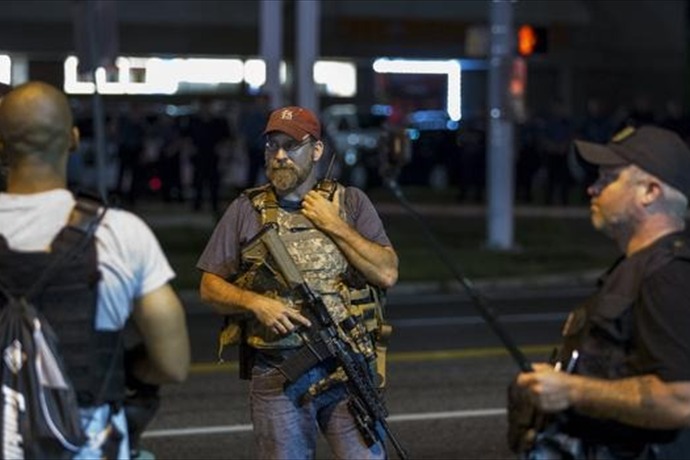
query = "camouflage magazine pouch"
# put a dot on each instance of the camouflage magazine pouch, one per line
(367, 304)
(258, 274)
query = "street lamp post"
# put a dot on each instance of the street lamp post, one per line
(500, 171)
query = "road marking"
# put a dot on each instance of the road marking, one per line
(415, 356)
(471, 320)
(466, 353)
(448, 414)
(196, 431)
(424, 416)
(404, 357)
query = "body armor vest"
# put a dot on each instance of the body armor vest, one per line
(344, 291)
(601, 331)
(68, 302)
(318, 258)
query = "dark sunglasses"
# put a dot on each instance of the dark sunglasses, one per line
(607, 177)
(291, 147)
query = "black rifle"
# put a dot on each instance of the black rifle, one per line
(323, 341)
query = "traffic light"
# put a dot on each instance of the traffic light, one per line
(531, 40)
(517, 89)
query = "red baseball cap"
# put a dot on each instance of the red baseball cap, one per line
(296, 122)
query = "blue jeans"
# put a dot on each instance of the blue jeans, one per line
(95, 422)
(286, 429)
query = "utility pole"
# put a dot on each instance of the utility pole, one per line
(96, 42)
(686, 92)
(500, 171)
(271, 48)
(306, 51)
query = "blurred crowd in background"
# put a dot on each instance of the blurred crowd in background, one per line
(197, 153)
(205, 152)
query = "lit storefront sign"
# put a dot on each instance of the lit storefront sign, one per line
(172, 76)
(5, 69)
(451, 68)
(154, 75)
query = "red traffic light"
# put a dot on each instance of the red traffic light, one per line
(531, 40)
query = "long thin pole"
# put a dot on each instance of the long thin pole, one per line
(97, 101)
(500, 170)
(478, 301)
(308, 39)
(271, 48)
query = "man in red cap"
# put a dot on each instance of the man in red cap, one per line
(626, 392)
(339, 245)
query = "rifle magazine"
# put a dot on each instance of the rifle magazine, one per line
(303, 359)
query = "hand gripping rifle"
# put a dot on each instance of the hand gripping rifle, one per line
(324, 340)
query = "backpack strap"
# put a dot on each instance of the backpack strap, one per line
(85, 217)
(6, 292)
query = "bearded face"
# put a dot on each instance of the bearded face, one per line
(612, 205)
(288, 164)
(286, 177)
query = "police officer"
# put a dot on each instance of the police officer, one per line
(329, 235)
(628, 347)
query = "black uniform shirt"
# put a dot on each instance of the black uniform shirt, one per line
(655, 282)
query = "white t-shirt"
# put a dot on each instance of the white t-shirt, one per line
(130, 258)
(131, 263)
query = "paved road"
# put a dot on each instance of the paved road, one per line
(447, 370)
(171, 214)
(447, 374)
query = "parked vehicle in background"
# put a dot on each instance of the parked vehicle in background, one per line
(353, 134)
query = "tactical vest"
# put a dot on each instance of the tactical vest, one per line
(324, 267)
(69, 302)
(601, 330)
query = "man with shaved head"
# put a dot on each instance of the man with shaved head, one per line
(37, 134)
(133, 275)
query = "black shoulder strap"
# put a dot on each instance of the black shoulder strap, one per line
(85, 217)
(6, 293)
